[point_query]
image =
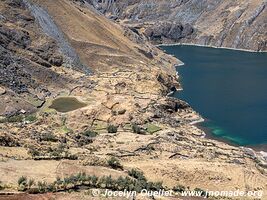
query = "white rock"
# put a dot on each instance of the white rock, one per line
(22, 111)
(2, 90)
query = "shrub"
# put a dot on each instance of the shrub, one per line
(31, 118)
(15, 118)
(22, 181)
(156, 186)
(139, 175)
(33, 152)
(1, 186)
(90, 133)
(3, 120)
(178, 188)
(94, 180)
(114, 113)
(30, 183)
(75, 181)
(137, 129)
(42, 186)
(112, 129)
(49, 137)
(114, 163)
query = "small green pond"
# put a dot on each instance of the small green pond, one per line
(66, 104)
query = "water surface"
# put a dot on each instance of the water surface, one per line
(66, 104)
(228, 88)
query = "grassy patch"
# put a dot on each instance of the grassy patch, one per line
(31, 118)
(15, 118)
(151, 128)
(65, 129)
(18, 118)
(127, 127)
(99, 125)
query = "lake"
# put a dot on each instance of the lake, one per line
(228, 88)
(66, 104)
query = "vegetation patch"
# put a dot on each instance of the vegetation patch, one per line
(115, 163)
(74, 182)
(99, 125)
(31, 118)
(65, 129)
(51, 153)
(48, 137)
(127, 127)
(151, 128)
(90, 133)
(112, 128)
(137, 129)
(18, 118)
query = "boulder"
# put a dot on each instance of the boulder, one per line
(173, 31)
(2, 90)
(56, 60)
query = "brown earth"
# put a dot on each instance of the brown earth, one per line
(129, 85)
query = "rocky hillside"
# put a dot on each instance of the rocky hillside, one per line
(235, 24)
(128, 135)
(38, 57)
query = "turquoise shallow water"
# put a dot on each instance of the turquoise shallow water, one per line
(228, 88)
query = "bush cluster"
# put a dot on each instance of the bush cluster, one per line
(137, 129)
(115, 163)
(48, 137)
(19, 118)
(91, 181)
(56, 153)
(90, 133)
(112, 128)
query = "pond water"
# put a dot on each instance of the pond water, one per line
(66, 104)
(228, 88)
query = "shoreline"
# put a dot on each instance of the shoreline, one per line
(259, 148)
(209, 46)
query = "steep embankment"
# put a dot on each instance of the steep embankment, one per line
(235, 24)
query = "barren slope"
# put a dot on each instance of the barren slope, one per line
(100, 43)
(127, 90)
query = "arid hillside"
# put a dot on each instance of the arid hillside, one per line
(235, 24)
(101, 44)
(127, 135)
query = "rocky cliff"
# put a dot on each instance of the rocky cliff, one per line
(234, 24)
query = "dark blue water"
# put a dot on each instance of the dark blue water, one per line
(228, 88)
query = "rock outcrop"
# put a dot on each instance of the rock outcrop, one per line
(27, 59)
(235, 24)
